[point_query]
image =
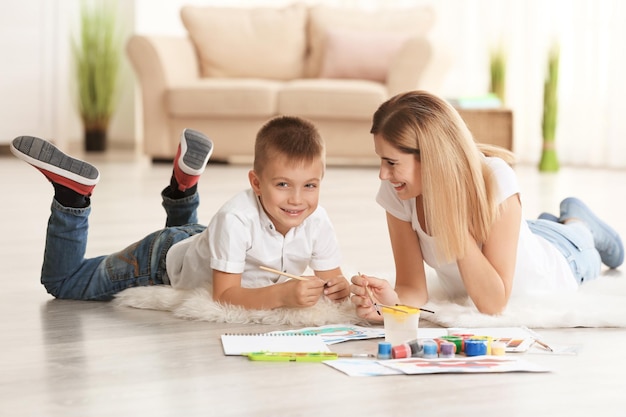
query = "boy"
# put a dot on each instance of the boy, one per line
(277, 223)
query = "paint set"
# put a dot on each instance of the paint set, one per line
(442, 347)
(402, 340)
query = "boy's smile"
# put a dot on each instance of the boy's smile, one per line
(289, 191)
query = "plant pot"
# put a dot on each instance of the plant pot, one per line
(549, 161)
(95, 140)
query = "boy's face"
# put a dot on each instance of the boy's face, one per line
(289, 192)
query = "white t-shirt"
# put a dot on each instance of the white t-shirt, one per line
(540, 267)
(240, 238)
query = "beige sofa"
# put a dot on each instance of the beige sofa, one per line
(239, 67)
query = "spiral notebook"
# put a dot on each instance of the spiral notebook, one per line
(241, 344)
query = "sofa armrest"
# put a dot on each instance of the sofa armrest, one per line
(418, 66)
(160, 62)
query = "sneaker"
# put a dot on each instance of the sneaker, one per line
(59, 168)
(606, 240)
(548, 216)
(192, 156)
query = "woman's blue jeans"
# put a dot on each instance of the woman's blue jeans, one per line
(66, 273)
(575, 241)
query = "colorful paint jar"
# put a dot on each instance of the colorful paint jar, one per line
(430, 349)
(401, 351)
(401, 323)
(384, 350)
(498, 348)
(417, 350)
(475, 347)
(457, 340)
(487, 339)
(447, 349)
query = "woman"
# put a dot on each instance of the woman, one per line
(456, 206)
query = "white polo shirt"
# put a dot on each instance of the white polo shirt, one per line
(240, 238)
(540, 267)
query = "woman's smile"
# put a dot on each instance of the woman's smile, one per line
(398, 186)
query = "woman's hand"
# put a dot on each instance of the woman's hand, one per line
(381, 292)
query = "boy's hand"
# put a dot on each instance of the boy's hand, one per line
(302, 293)
(337, 288)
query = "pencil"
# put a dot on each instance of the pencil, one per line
(276, 271)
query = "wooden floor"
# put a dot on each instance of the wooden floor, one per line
(69, 358)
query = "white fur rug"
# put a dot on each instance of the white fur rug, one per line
(198, 304)
(599, 303)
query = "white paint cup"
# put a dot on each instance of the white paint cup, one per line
(401, 324)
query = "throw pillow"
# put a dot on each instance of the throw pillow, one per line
(360, 55)
(248, 42)
(413, 21)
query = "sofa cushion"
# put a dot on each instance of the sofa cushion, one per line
(412, 22)
(331, 99)
(360, 55)
(248, 42)
(223, 97)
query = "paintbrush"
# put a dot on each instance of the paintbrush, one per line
(276, 271)
(536, 338)
(377, 305)
(420, 309)
(371, 297)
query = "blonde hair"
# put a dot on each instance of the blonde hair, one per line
(458, 190)
(289, 136)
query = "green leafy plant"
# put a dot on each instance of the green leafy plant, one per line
(549, 161)
(497, 70)
(97, 52)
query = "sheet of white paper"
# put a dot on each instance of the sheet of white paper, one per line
(362, 367)
(463, 364)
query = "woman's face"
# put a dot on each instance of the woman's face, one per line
(402, 170)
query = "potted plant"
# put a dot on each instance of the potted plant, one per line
(549, 161)
(497, 70)
(97, 56)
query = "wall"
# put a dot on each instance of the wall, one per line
(37, 93)
(591, 127)
(30, 69)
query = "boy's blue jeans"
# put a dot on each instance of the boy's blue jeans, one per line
(67, 274)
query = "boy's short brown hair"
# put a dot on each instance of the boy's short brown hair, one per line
(290, 136)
